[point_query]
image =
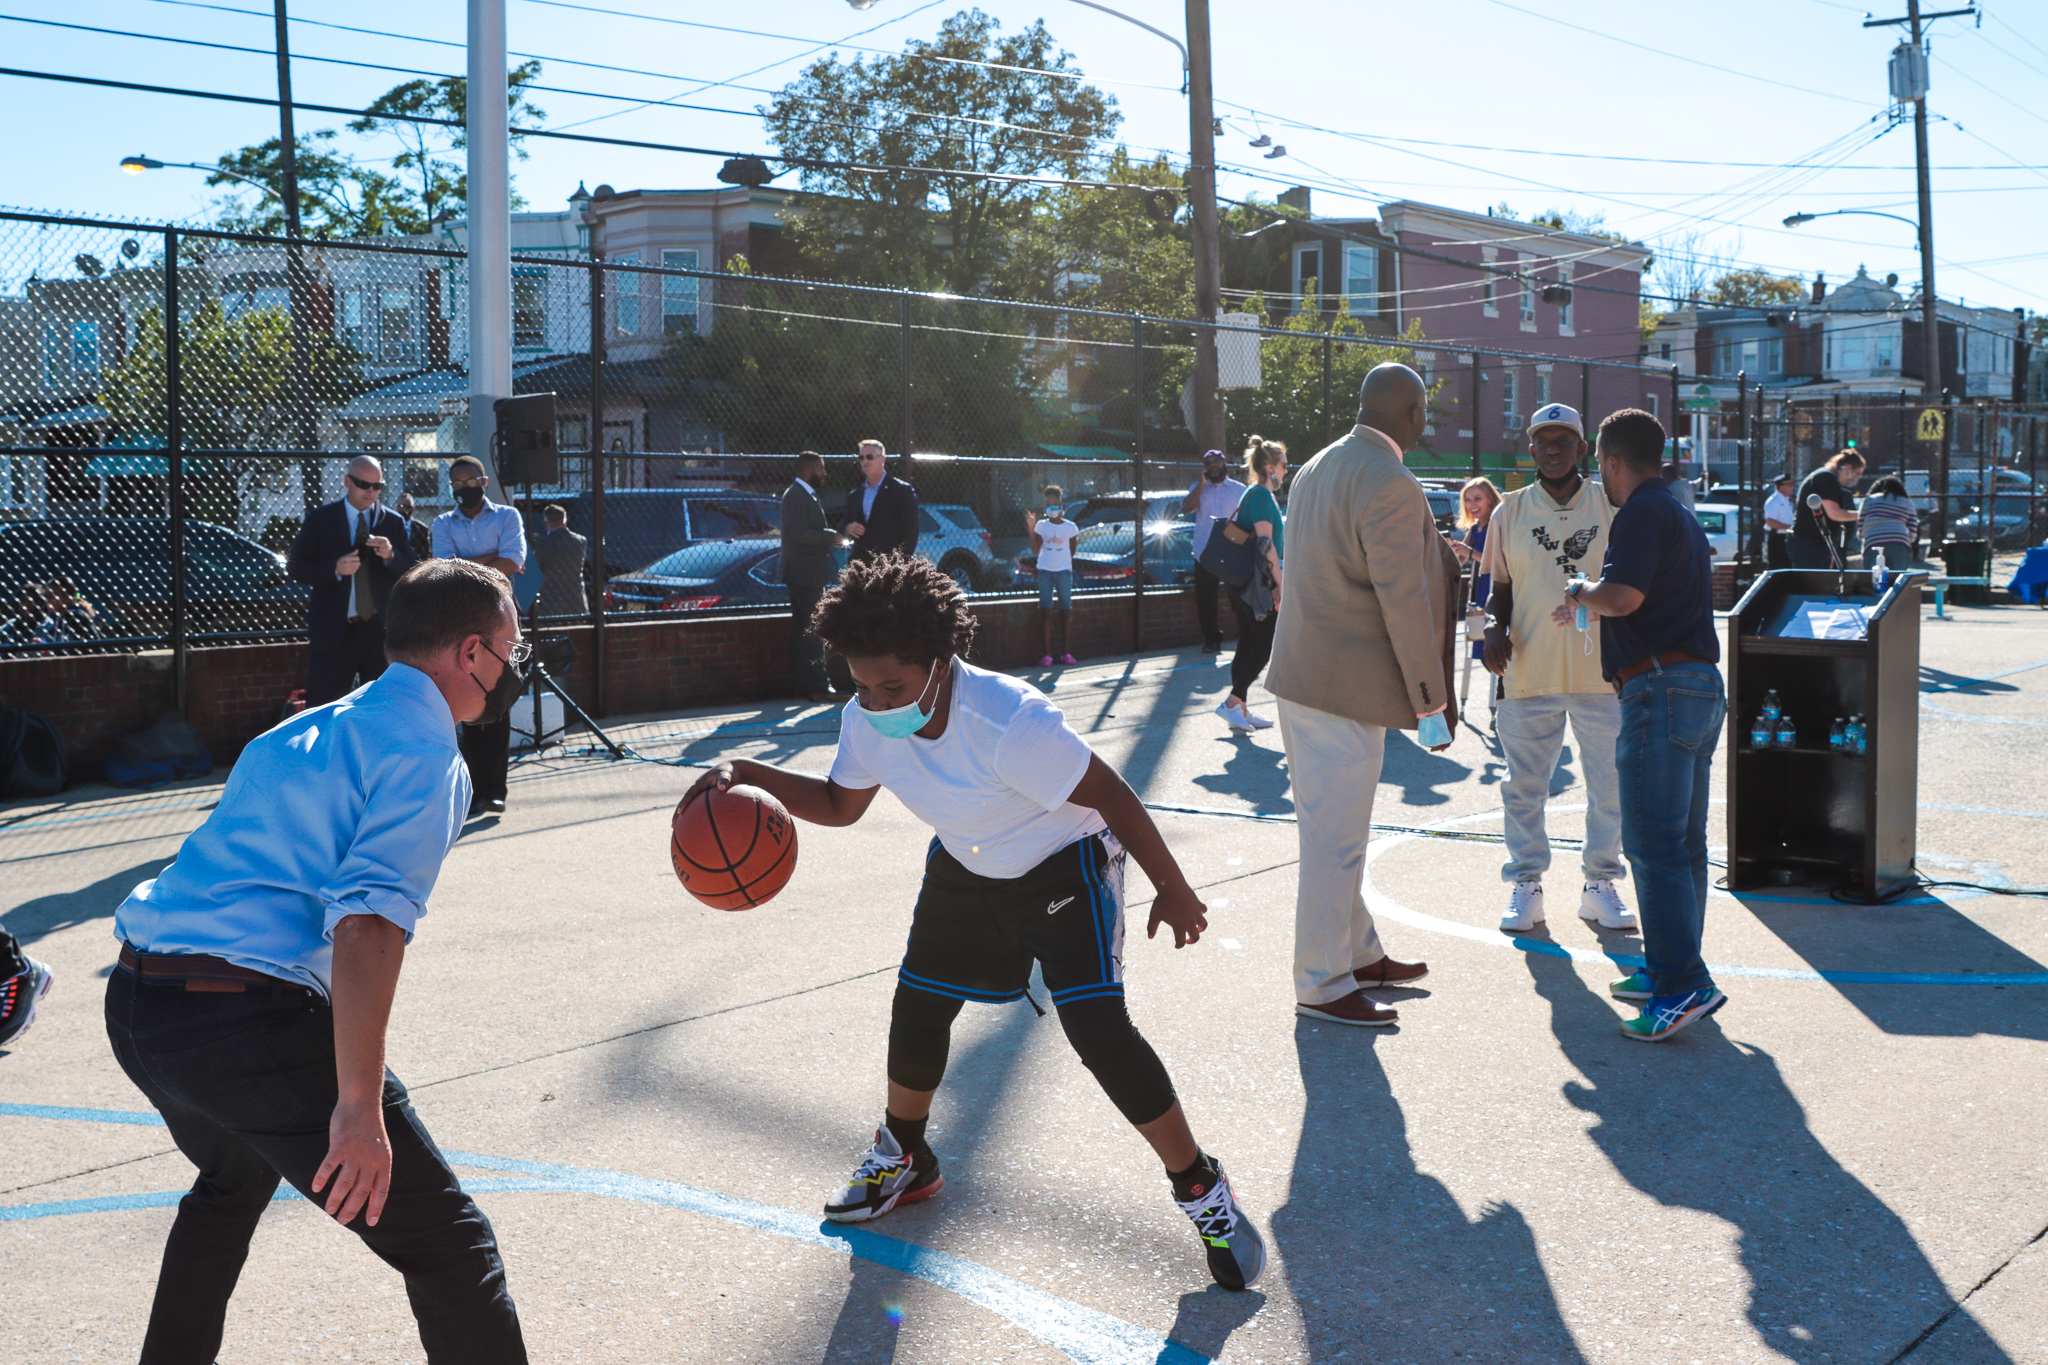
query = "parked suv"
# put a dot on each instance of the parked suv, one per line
(122, 565)
(643, 524)
(952, 537)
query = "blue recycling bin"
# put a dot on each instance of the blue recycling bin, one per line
(2030, 583)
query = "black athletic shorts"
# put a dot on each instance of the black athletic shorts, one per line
(975, 937)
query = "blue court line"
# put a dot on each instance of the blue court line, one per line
(1083, 1334)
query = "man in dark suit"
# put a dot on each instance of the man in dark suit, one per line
(807, 544)
(564, 558)
(350, 553)
(422, 534)
(881, 512)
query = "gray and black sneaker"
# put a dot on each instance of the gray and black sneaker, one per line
(887, 1177)
(1237, 1254)
(18, 996)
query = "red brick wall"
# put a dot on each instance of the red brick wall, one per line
(236, 693)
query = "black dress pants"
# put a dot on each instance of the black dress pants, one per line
(806, 650)
(245, 1081)
(1206, 584)
(359, 658)
(487, 749)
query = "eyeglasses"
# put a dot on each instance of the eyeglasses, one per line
(461, 483)
(865, 459)
(366, 485)
(518, 652)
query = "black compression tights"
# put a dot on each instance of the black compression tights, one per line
(1100, 1029)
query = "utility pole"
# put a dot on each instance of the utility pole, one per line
(490, 227)
(1202, 219)
(1909, 85)
(305, 432)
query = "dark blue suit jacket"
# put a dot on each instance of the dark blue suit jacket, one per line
(323, 539)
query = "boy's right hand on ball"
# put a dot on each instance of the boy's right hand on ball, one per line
(719, 776)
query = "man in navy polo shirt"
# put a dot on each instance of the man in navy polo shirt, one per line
(1655, 604)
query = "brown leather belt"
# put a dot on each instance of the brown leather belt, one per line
(1664, 660)
(200, 972)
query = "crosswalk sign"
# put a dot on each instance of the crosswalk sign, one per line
(1931, 425)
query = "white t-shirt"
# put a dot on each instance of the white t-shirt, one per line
(1538, 547)
(1217, 503)
(1778, 508)
(1056, 544)
(994, 787)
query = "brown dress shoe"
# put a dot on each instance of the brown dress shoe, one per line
(1387, 972)
(1353, 1009)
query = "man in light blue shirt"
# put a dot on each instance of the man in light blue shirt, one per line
(1211, 498)
(490, 534)
(257, 973)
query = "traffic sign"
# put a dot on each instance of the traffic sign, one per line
(1707, 403)
(1931, 425)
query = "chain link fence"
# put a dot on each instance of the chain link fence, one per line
(154, 479)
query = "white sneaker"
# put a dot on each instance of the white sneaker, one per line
(1603, 905)
(1239, 720)
(1257, 721)
(1525, 908)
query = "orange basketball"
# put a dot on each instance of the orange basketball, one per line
(732, 849)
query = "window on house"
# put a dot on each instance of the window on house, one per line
(626, 285)
(1362, 280)
(1828, 352)
(1749, 355)
(1542, 388)
(1489, 283)
(1509, 412)
(1308, 275)
(1852, 351)
(1650, 403)
(1664, 350)
(1886, 345)
(1528, 293)
(352, 318)
(394, 324)
(1774, 356)
(678, 294)
(529, 308)
(85, 349)
(1564, 309)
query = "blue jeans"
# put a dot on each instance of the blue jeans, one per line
(1056, 586)
(245, 1081)
(1670, 726)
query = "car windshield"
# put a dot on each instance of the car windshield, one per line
(1713, 523)
(702, 561)
(963, 517)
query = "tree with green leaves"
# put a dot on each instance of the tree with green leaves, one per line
(1754, 288)
(435, 175)
(236, 375)
(337, 197)
(869, 132)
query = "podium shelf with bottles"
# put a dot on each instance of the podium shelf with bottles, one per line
(1809, 814)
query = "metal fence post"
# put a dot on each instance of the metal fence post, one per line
(1476, 406)
(903, 368)
(1751, 528)
(174, 460)
(1585, 405)
(1138, 476)
(1329, 417)
(1948, 427)
(597, 480)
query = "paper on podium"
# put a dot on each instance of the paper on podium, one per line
(1830, 620)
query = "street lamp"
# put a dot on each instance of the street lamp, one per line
(136, 165)
(1930, 328)
(1202, 221)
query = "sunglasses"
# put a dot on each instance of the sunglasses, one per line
(366, 485)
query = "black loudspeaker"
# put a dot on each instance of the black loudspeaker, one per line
(526, 439)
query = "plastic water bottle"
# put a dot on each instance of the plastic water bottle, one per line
(1762, 732)
(1788, 734)
(1859, 735)
(1838, 734)
(1582, 619)
(1771, 707)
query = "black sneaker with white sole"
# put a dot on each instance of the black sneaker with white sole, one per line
(1237, 1254)
(887, 1177)
(18, 996)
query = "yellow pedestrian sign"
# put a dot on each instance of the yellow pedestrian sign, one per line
(1930, 427)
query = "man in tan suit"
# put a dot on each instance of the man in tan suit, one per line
(1364, 646)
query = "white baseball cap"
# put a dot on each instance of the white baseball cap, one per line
(1556, 415)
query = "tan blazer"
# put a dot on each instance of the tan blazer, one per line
(1366, 627)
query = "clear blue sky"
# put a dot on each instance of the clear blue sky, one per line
(1548, 105)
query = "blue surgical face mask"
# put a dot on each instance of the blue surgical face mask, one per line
(1053, 510)
(901, 722)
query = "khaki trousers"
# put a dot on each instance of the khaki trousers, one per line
(1334, 765)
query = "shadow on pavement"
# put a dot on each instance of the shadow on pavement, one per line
(33, 919)
(1418, 772)
(1936, 680)
(1929, 937)
(1705, 1123)
(1380, 1258)
(1254, 773)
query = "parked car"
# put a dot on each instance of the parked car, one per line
(2011, 523)
(1105, 556)
(642, 525)
(122, 565)
(719, 573)
(1443, 505)
(1102, 508)
(952, 537)
(1722, 521)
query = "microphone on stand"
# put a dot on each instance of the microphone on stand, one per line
(1813, 504)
